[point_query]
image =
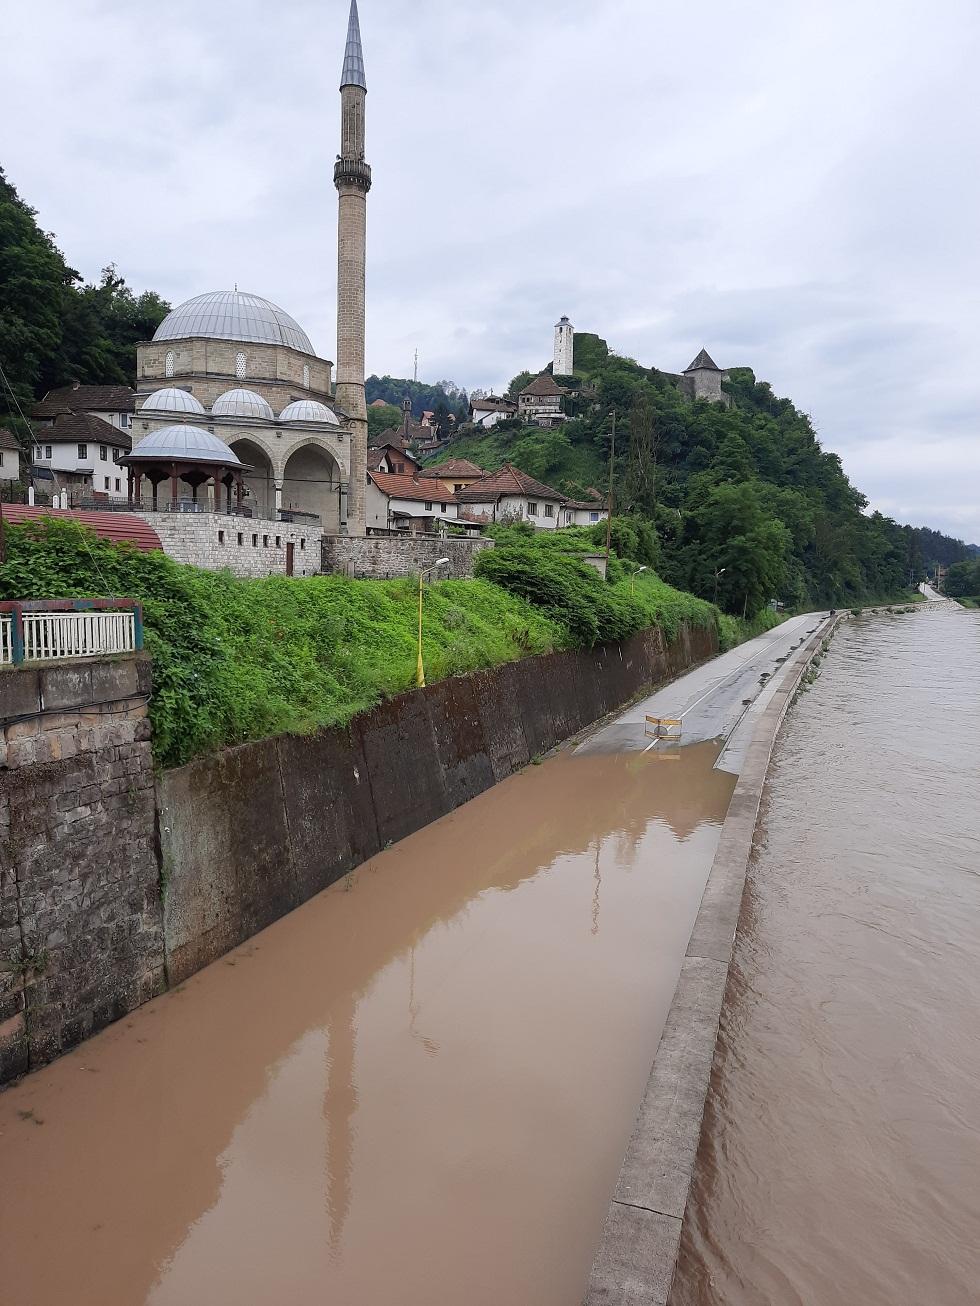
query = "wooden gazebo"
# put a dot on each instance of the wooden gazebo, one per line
(189, 454)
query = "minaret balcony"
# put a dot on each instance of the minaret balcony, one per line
(348, 171)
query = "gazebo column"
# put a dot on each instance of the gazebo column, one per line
(217, 491)
(129, 486)
(156, 489)
(239, 491)
(173, 487)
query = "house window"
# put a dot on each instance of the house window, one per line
(221, 537)
(306, 376)
(428, 507)
(532, 508)
(115, 455)
(106, 479)
(103, 453)
(549, 510)
(240, 366)
(241, 539)
(442, 507)
(117, 484)
(47, 452)
(82, 452)
(1, 457)
(168, 365)
(593, 516)
(38, 455)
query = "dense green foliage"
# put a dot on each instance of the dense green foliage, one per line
(383, 419)
(747, 505)
(54, 329)
(963, 579)
(442, 398)
(240, 659)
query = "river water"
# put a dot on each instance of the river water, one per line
(414, 1091)
(840, 1160)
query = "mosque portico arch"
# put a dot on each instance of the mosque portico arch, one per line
(260, 481)
(313, 480)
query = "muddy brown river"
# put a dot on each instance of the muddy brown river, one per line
(414, 1091)
(840, 1161)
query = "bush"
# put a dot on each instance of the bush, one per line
(566, 589)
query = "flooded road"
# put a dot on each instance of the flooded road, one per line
(840, 1158)
(416, 1090)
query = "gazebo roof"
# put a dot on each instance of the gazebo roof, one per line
(184, 444)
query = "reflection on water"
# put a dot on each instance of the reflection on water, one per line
(840, 1158)
(415, 1089)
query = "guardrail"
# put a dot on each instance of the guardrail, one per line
(47, 630)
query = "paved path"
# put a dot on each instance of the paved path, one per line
(721, 700)
(935, 597)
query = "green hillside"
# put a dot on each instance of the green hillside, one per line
(745, 501)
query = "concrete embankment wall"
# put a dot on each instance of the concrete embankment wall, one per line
(640, 1243)
(81, 928)
(253, 832)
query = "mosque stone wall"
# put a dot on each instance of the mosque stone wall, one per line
(385, 557)
(245, 546)
(207, 368)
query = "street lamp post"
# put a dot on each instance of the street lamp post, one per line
(420, 670)
(633, 576)
(721, 572)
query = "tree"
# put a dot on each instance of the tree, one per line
(641, 471)
(521, 380)
(382, 419)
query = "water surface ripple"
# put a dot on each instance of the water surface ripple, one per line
(840, 1160)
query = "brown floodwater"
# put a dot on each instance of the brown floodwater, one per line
(416, 1090)
(840, 1159)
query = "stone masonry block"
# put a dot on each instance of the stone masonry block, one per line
(20, 692)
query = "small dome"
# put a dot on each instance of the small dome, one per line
(234, 315)
(184, 444)
(308, 410)
(172, 400)
(241, 403)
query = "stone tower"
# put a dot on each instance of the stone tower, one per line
(352, 177)
(564, 348)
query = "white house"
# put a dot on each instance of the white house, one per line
(542, 402)
(9, 457)
(114, 404)
(491, 410)
(585, 512)
(81, 432)
(402, 503)
(510, 495)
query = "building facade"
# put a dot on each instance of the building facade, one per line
(564, 363)
(542, 402)
(9, 457)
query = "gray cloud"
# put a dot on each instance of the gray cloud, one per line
(792, 185)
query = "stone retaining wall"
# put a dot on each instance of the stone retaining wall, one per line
(246, 546)
(81, 937)
(380, 557)
(251, 833)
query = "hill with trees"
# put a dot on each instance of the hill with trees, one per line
(747, 505)
(442, 398)
(53, 327)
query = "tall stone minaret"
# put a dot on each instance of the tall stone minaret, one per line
(352, 177)
(564, 348)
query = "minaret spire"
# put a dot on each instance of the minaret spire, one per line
(353, 74)
(352, 177)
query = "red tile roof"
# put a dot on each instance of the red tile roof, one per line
(86, 399)
(407, 487)
(116, 527)
(7, 441)
(454, 467)
(542, 386)
(510, 480)
(82, 427)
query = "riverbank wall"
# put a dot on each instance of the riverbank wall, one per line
(640, 1243)
(115, 885)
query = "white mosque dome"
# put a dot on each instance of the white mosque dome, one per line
(234, 315)
(184, 444)
(241, 403)
(172, 400)
(308, 410)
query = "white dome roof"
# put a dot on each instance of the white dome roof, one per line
(241, 403)
(308, 410)
(234, 315)
(172, 400)
(184, 444)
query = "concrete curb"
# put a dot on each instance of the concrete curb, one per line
(640, 1242)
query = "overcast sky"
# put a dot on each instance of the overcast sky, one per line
(793, 184)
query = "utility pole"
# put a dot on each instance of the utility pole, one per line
(609, 505)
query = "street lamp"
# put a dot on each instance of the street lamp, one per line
(633, 576)
(721, 572)
(420, 671)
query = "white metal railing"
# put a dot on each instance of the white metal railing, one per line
(49, 635)
(6, 640)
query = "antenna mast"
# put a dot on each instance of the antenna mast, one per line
(416, 376)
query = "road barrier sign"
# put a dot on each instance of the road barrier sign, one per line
(663, 727)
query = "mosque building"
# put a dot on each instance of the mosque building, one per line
(244, 376)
